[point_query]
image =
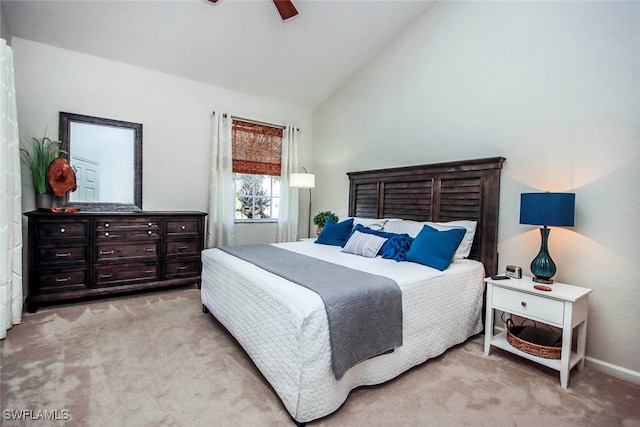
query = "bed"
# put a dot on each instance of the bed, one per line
(283, 327)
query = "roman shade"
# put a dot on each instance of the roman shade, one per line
(257, 149)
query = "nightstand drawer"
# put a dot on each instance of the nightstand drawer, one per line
(527, 305)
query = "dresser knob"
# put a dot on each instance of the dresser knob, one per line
(523, 303)
(149, 232)
(106, 234)
(106, 225)
(62, 230)
(150, 224)
(184, 227)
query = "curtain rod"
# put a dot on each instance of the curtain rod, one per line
(257, 122)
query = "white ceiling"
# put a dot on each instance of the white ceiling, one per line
(237, 44)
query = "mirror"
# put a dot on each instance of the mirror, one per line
(107, 158)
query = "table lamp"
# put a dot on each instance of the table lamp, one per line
(555, 209)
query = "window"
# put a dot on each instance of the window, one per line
(257, 153)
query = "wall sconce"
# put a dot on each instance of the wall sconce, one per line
(557, 209)
(304, 180)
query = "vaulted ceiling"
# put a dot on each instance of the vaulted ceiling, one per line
(237, 44)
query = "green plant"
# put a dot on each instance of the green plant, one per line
(37, 160)
(321, 218)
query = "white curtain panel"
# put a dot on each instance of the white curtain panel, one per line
(221, 187)
(10, 208)
(288, 214)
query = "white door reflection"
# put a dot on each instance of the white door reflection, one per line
(103, 157)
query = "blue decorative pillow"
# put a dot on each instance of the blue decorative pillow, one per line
(335, 234)
(396, 247)
(364, 244)
(435, 248)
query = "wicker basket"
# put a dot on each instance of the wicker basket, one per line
(545, 351)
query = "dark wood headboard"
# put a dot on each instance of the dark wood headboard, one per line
(440, 192)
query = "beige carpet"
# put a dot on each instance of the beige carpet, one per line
(156, 360)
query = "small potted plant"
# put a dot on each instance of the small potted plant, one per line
(37, 160)
(321, 218)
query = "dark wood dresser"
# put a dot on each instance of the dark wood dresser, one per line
(84, 254)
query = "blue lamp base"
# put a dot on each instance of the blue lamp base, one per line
(542, 267)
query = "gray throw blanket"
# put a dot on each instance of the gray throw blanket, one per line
(364, 310)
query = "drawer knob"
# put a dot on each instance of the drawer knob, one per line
(63, 279)
(184, 227)
(149, 232)
(182, 267)
(106, 225)
(62, 230)
(106, 275)
(523, 303)
(150, 224)
(109, 252)
(106, 234)
(63, 255)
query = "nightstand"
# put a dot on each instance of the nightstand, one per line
(565, 307)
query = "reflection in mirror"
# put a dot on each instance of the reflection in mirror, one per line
(107, 158)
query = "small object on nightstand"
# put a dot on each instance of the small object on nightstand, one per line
(513, 271)
(542, 287)
(500, 277)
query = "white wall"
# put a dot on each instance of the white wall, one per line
(552, 86)
(175, 113)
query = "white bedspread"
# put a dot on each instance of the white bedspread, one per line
(283, 326)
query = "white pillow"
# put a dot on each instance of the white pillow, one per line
(464, 249)
(372, 223)
(366, 245)
(412, 228)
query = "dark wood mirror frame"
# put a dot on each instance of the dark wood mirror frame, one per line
(65, 127)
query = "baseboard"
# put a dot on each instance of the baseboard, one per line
(613, 370)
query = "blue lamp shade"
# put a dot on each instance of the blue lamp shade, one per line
(546, 209)
(556, 209)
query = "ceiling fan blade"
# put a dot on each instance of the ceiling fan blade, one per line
(286, 8)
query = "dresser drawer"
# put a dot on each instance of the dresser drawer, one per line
(123, 275)
(114, 252)
(182, 227)
(61, 255)
(62, 281)
(49, 230)
(190, 267)
(186, 247)
(127, 228)
(528, 305)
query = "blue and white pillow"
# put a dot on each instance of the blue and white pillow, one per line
(363, 244)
